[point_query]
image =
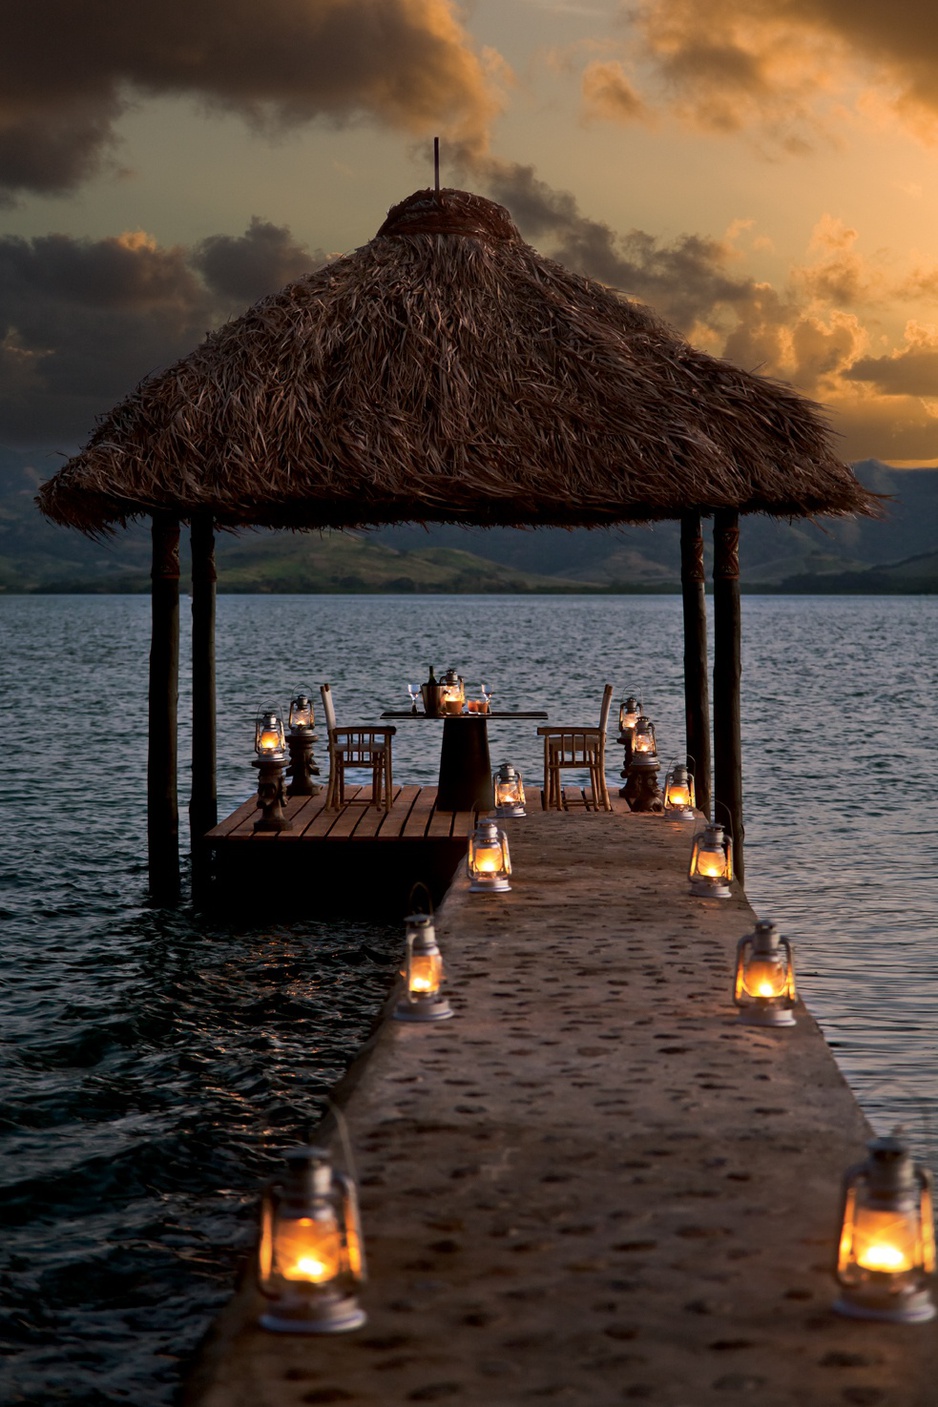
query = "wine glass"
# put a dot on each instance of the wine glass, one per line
(487, 694)
(414, 692)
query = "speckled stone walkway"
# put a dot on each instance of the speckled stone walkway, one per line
(593, 1186)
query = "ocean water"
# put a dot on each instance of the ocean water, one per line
(154, 1061)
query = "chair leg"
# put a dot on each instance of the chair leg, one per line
(602, 792)
(388, 780)
(333, 786)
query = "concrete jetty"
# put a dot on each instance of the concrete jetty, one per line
(593, 1186)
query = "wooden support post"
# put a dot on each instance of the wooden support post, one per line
(162, 803)
(203, 801)
(696, 686)
(727, 668)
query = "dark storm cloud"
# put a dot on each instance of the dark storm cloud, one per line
(81, 321)
(68, 71)
(684, 281)
(910, 373)
(245, 267)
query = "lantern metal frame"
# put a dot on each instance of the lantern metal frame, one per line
(422, 945)
(629, 708)
(680, 775)
(486, 835)
(453, 691)
(765, 946)
(644, 757)
(509, 780)
(270, 720)
(885, 1191)
(711, 837)
(311, 1193)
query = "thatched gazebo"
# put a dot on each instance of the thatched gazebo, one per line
(445, 372)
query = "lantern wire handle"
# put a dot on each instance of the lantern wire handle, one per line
(729, 818)
(415, 897)
(918, 1127)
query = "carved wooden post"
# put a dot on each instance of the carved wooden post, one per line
(162, 803)
(203, 802)
(696, 689)
(727, 668)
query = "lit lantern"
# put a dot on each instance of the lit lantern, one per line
(488, 861)
(454, 692)
(310, 1256)
(269, 739)
(886, 1249)
(711, 863)
(644, 748)
(680, 797)
(301, 712)
(629, 714)
(508, 786)
(423, 974)
(764, 988)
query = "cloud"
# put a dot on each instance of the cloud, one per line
(726, 67)
(786, 73)
(908, 371)
(68, 73)
(243, 268)
(81, 321)
(687, 281)
(608, 93)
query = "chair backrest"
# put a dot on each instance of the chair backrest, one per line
(325, 691)
(604, 711)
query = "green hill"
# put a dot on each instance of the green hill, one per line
(894, 554)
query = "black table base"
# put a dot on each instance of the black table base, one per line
(465, 767)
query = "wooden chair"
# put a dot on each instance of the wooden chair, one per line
(357, 747)
(582, 748)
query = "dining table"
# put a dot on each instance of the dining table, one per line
(465, 782)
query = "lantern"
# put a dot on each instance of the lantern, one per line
(680, 798)
(711, 863)
(508, 786)
(300, 740)
(886, 1248)
(269, 739)
(453, 692)
(310, 1257)
(488, 861)
(423, 974)
(301, 712)
(764, 988)
(644, 748)
(629, 714)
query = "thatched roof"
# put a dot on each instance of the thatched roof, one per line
(446, 372)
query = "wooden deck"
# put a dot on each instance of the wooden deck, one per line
(359, 856)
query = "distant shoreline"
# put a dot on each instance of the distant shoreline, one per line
(802, 586)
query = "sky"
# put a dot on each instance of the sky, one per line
(762, 172)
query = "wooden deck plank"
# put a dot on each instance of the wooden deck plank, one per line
(421, 811)
(313, 806)
(375, 817)
(323, 824)
(440, 825)
(463, 823)
(230, 823)
(354, 816)
(573, 796)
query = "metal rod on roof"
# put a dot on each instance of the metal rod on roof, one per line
(436, 163)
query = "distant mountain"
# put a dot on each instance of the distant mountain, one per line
(896, 553)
